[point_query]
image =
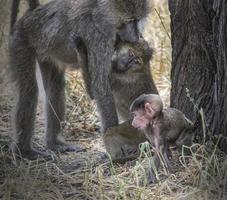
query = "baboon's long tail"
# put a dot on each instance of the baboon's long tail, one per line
(15, 7)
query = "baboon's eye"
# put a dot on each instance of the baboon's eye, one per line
(133, 114)
(137, 61)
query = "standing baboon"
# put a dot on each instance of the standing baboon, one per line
(130, 77)
(79, 33)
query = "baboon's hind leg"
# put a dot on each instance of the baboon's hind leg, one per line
(22, 65)
(54, 83)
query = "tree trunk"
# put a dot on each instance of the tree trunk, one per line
(4, 21)
(199, 61)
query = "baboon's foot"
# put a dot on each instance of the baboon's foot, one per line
(62, 147)
(31, 154)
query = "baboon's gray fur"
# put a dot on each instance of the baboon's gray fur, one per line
(71, 33)
(131, 75)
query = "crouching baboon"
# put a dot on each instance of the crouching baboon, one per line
(130, 77)
(67, 33)
(162, 127)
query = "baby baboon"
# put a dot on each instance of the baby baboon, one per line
(67, 33)
(162, 127)
(130, 77)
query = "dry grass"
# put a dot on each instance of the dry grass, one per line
(203, 175)
(75, 176)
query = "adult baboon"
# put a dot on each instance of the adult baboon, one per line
(79, 33)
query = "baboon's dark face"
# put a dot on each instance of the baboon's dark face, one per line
(132, 57)
(126, 59)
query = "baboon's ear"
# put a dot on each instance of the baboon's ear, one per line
(149, 109)
(129, 32)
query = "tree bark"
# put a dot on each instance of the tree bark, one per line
(199, 61)
(4, 21)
